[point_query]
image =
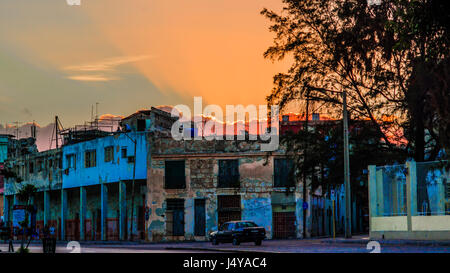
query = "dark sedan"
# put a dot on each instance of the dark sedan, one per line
(237, 232)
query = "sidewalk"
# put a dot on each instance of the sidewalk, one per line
(364, 239)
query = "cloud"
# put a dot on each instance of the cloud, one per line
(102, 68)
(92, 78)
(110, 117)
(107, 64)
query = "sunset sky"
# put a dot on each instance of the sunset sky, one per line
(57, 59)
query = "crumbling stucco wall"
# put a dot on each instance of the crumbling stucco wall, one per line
(201, 171)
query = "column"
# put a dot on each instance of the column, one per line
(104, 209)
(354, 224)
(189, 218)
(63, 213)
(380, 193)
(122, 209)
(83, 213)
(373, 208)
(6, 208)
(440, 183)
(46, 207)
(411, 192)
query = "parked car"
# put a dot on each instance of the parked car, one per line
(237, 232)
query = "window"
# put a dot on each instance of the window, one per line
(447, 190)
(124, 152)
(141, 125)
(31, 167)
(245, 225)
(174, 177)
(284, 176)
(71, 162)
(90, 159)
(228, 173)
(230, 226)
(199, 217)
(228, 208)
(109, 154)
(175, 217)
(50, 163)
(39, 165)
(130, 159)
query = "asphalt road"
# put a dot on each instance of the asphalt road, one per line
(277, 246)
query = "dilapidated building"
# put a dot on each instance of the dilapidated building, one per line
(85, 188)
(5, 150)
(196, 185)
(43, 170)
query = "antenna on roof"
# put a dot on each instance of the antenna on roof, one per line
(56, 133)
(96, 110)
(33, 130)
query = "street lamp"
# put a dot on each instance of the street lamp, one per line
(348, 215)
(348, 211)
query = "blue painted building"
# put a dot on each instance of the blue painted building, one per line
(87, 187)
(97, 185)
(105, 160)
(4, 143)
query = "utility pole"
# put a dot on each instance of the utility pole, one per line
(348, 210)
(56, 131)
(130, 234)
(305, 169)
(132, 192)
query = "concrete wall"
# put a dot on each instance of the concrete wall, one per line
(430, 222)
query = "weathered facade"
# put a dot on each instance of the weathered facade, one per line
(98, 177)
(43, 170)
(85, 188)
(5, 143)
(194, 186)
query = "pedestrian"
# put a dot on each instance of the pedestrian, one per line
(37, 233)
(52, 239)
(45, 239)
(52, 231)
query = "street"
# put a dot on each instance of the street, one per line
(268, 246)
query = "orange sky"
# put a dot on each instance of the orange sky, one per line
(127, 55)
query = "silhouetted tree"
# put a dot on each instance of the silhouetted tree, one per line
(378, 54)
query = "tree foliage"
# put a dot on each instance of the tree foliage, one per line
(321, 155)
(391, 58)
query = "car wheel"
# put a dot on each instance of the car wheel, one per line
(215, 242)
(258, 242)
(235, 241)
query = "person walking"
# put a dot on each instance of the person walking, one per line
(52, 239)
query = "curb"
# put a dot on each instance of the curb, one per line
(390, 242)
(221, 250)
